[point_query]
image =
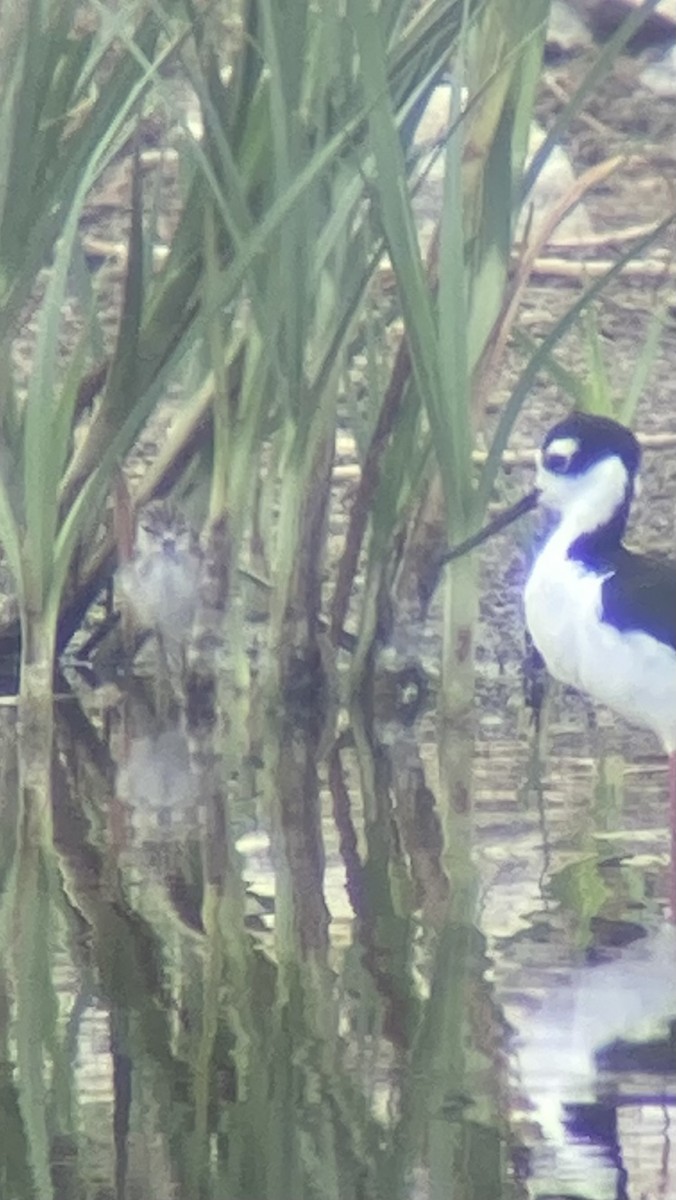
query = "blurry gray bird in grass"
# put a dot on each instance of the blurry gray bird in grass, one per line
(160, 582)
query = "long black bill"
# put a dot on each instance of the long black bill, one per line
(428, 584)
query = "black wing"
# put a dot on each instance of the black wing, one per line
(641, 595)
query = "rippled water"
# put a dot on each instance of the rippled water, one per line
(263, 965)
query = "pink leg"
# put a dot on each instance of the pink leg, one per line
(672, 834)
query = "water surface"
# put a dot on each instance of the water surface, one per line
(265, 963)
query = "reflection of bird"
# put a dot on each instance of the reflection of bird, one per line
(569, 1040)
(602, 617)
(161, 581)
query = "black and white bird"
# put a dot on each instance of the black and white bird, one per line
(603, 617)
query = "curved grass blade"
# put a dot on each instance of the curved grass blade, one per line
(538, 361)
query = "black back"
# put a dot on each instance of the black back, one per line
(640, 595)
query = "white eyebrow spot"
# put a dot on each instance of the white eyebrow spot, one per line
(562, 448)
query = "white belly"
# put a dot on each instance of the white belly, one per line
(630, 672)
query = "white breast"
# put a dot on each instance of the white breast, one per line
(630, 672)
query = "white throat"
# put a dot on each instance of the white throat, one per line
(584, 502)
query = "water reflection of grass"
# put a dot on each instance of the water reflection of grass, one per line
(159, 1033)
(234, 1064)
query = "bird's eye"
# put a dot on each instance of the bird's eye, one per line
(558, 463)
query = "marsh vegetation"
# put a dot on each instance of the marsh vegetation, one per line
(282, 889)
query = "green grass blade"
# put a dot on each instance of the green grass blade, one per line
(598, 390)
(539, 359)
(455, 450)
(121, 383)
(399, 226)
(603, 63)
(11, 538)
(644, 364)
(41, 453)
(569, 382)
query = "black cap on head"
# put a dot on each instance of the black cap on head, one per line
(589, 439)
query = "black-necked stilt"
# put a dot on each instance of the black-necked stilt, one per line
(161, 580)
(602, 617)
